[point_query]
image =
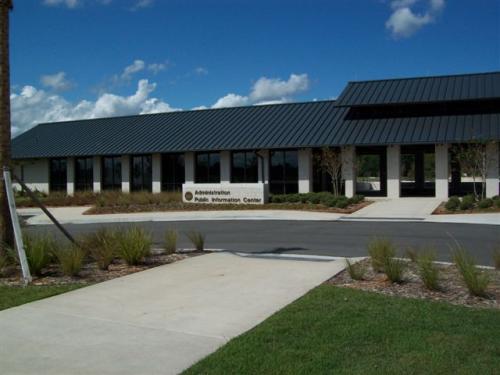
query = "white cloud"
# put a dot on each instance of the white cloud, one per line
(57, 81)
(31, 106)
(266, 91)
(158, 67)
(141, 4)
(68, 3)
(201, 71)
(130, 70)
(404, 22)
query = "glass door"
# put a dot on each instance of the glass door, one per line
(371, 171)
(417, 171)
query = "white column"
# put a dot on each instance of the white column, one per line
(493, 165)
(125, 173)
(189, 167)
(70, 176)
(263, 166)
(225, 167)
(156, 158)
(393, 171)
(96, 170)
(348, 154)
(442, 171)
(305, 170)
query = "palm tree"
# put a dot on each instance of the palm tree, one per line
(6, 232)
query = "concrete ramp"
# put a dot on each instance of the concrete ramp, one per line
(411, 209)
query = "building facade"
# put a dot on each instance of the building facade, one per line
(396, 138)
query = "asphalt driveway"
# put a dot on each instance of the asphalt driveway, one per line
(158, 321)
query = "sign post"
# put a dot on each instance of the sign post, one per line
(18, 235)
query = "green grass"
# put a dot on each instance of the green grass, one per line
(11, 296)
(333, 330)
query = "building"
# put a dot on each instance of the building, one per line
(395, 137)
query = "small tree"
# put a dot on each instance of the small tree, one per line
(473, 160)
(330, 160)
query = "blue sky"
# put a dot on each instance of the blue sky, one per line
(94, 58)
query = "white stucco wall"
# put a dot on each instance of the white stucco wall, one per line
(125, 173)
(348, 154)
(70, 175)
(305, 170)
(156, 161)
(493, 165)
(189, 167)
(96, 171)
(225, 167)
(35, 174)
(442, 171)
(393, 171)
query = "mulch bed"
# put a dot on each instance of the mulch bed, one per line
(453, 289)
(179, 207)
(441, 210)
(91, 274)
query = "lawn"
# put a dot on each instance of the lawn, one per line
(343, 331)
(11, 296)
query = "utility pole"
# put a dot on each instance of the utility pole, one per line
(6, 231)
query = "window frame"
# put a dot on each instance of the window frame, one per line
(209, 178)
(146, 183)
(249, 177)
(114, 185)
(287, 184)
(84, 178)
(173, 181)
(58, 186)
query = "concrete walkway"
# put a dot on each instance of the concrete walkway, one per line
(403, 208)
(159, 321)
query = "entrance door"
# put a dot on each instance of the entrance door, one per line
(371, 175)
(418, 178)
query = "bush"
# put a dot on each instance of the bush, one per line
(380, 249)
(412, 254)
(4, 261)
(497, 203)
(342, 202)
(355, 270)
(170, 241)
(452, 204)
(496, 257)
(279, 198)
(134, 245)
(40, 251)
(427, 269)
(485, 203)
(394, 269)
(330, 201)
(476, 281)
(315, 198)
(358, 198)
(102, 247)
(71, 259)
(197, 239)
(467, 202)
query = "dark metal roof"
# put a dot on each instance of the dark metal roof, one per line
(422, 89)
(290, 125)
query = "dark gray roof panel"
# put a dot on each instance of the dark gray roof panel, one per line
(423, 89)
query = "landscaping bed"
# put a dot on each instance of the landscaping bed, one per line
(452, 287)
(468, 204)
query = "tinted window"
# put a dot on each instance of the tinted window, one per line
(57, 175)
(83, 174)
(141, 172)
(244, 168)
(284, 172)
(207, 168)
(172, 172)
(111, 172)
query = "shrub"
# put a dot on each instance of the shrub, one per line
(293, 198)
(380, 249)
(330, 201)
(40, 251)
(170, 241)
(394, 269)
(427, 269)
(134, 245)
(4, 261)
(279, 198)
(355, 270)
(475, 280)
(315, 198)
(467, 202)
(71, 259)
(412, 254)
(497, 203)
(102, 247)
(485, 203)
(496, 257)
(342, 202)
(452, 204)
(197, 239)
(357, 198)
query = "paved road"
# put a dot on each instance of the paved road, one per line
(321, 238)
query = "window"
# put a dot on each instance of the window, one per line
(141, 172)
(57, 175)
(83, 174)
(172, 172)
(284, 172)
(111, 172)
(244, 167)
(207, 169)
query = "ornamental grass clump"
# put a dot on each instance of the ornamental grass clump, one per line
(394, 269)
(197, 239)
(70, 259)
(102, 247)
(134, 245)
(476, 281)
(380, 249)
(40, 251)
(170, 241)
(427, 269)
(356, 270)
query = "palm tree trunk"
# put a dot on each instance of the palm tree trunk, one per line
(6, 232)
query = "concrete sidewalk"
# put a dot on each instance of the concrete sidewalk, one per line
(402, 208)
(159, 321)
